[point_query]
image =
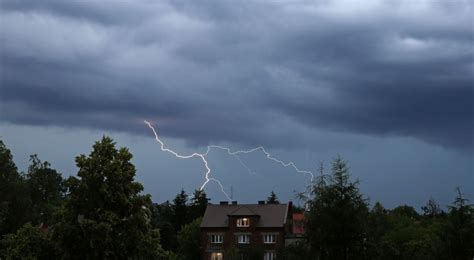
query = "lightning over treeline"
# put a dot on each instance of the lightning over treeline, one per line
(202, 157)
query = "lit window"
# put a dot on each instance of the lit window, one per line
(243, 239)
(217, 239)
(269, 255)
(217, 256)
(269, 239)
(243, 222)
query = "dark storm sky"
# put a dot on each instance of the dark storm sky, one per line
(307, 78)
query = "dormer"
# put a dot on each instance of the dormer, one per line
(242, 218)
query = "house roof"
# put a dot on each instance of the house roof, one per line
(242, 211)
(270, 215)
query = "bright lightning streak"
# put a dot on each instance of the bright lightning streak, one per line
(267, 154)
(202, 156)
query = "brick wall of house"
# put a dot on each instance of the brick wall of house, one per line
(230, 237)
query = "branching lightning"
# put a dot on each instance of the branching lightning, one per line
(202, 157)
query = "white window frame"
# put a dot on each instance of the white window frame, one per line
(216, 238)
(269, 255)
(269, 238)
(217, 256)
(243, 239)
(243, 222)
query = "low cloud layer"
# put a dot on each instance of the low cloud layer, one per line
(246, 72)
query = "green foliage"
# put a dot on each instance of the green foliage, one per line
(162, 218)
(14, 199)
(180, 210)
(105, 216)
(246, 252)
(458, 230)
(198, 205)
(102, 213)
(46, 190)
(432, 209)
(406, 211)
(376, 229)
(273, 199)
(28, 242)
(296, 251)
(171, 217)
(189, 241)
(337, 218)
(407, 237)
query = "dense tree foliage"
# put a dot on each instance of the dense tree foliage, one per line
(14, 199)
(249, 252)
(29, 242)
(180, 210)
(189, 241)
(272, 199)
(46, 189)
(198, 205)
(337, 216)
(458, 230)
(102, 213)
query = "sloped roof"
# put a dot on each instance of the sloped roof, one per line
(242, 211)
(271, 215)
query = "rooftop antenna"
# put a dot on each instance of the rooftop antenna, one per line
(231, 192)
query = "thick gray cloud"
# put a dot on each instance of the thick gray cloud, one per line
(248, 72)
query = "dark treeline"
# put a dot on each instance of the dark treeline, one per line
(101, 212)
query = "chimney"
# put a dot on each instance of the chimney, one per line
(261, 202)
(224, 203)
(234, 202)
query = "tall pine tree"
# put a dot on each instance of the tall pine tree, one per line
(337, 216)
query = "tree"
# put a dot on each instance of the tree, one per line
(337, 218)
(405, 211)
(407, 237)
(162, 218)
(249, 252)
(28, 242)
(105, 216)
(189, 241)
(377, 227)
(14, 201)
(295, 251)
(198, 205)
(272, 199)
(180, 210)
(458, 231)
(431, 209)
(45, 188)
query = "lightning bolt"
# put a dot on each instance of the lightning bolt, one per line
(202, 157)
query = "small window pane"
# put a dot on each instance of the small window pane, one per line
(269, 255)
(243, 222)
(217, 256)
(217, 239)
(243, 239)
(269, 239)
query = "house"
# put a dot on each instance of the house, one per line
(241, 226)
(298, 223)
(297, 229)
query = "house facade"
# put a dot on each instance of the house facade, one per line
(227, 228)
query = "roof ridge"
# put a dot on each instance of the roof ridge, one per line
(239, 209)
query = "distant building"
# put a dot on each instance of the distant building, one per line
(266, 226)
(298, 223)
